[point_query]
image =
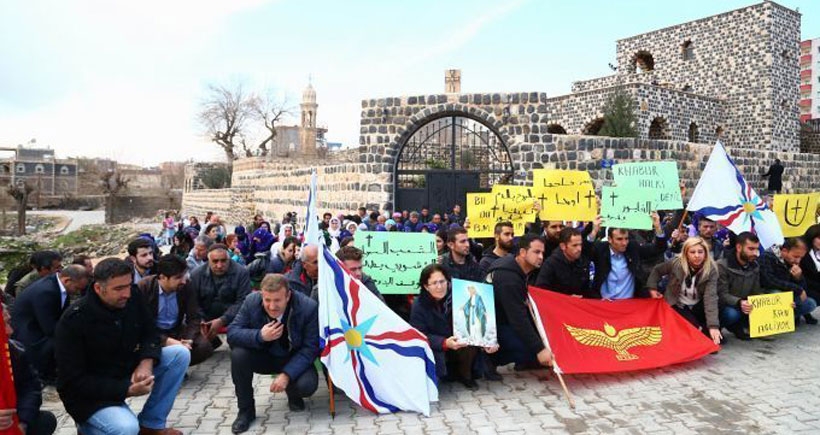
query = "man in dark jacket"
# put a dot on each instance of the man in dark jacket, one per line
(173, 305)
(352, 257)
(706, 231)
(304, 275)
(518, 338)
(780, 271)
(107, 350)
(221, 285)
(567, 269)
(141, 255)
(28, 390)
(739, 278)
(275, 331)
(503, 234)
(37, 311)
(619, 273)
(458, 262)
(775, 174)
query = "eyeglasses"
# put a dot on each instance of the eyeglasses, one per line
(437, 283)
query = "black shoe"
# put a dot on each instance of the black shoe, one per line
(243, 421)
(741, 334)
(296, 404)
(520, 367)
(469, 384)
(810, 320)
(493, 375)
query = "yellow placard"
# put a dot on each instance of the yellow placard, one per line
(480, 214)
(771, 314)
(565, 195)
(515, 204)
(795, 212)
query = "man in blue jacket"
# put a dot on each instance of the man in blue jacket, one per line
(275, 331)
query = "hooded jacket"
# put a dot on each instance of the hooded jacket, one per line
(736, 283)
(510, 291)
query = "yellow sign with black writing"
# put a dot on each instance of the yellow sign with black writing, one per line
(480, 213)
(565, 195)
(795, 212)
(515, 204)
(771, 314)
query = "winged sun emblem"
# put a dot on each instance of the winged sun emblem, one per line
(619, 341)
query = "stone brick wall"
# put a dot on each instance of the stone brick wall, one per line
(234, 205)
(749, 57)
(125, 208)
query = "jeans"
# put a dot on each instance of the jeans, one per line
(729, 316)
(806, 307)
(245, 362)
(120, 419)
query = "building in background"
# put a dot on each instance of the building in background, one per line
(306, 139)
(39, 168)
(810, 80)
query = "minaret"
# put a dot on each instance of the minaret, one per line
(307, 134)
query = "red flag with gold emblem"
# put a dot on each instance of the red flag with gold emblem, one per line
(8, 397)
(598, 336)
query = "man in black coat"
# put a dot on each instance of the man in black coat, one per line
(567, 269)
(518, 338)
(173, 305)
(775, 174)
(37, 311)
(457, 261)
(503, 234)
(618, 261)
(28, 390)
(221, 286)
(275, 331)
(108, 349)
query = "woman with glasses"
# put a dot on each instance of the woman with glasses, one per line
(432, 315)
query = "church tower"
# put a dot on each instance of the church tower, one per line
(307, 132)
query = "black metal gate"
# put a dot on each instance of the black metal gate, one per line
(447, 157)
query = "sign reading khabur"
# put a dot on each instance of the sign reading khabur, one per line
(625, 208)
(565, 195)
(394, 260)
(795, 212)
(771, 314)
(656, 181)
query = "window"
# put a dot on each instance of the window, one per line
(556, 129)
(688, 50)
(659, 129)
(693, 135)
(39, 169)
(21, 168)
(64, 170)
(643, 61)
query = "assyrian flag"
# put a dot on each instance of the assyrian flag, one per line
(724, 196)
(374, 356)
(312, 234)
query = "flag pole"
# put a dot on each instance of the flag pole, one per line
(682, 218)
(538, 323)
(332, 398)
(567, 395)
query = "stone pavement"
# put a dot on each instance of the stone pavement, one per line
(763, 386)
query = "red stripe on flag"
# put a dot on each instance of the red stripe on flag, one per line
(362, 397)
(409, 334)
(329, 346)
(354, 294)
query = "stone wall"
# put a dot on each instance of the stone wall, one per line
(234, 205)
(749, 57)
(125, 208)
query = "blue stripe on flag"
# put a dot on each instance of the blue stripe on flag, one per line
(369, 388)
(712, 211)
(415, 351)
(338, 279)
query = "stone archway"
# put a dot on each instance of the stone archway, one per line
(444, 155)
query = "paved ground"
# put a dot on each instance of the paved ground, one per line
(764, 386)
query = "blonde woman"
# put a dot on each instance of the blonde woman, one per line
(692, 286)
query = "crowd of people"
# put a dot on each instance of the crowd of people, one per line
(132, 327)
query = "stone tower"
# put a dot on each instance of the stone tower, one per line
(307, 132)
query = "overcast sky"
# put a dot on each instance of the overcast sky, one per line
(124, 80)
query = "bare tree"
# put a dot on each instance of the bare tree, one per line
(240, 122)
(113, 184)
(20, 192)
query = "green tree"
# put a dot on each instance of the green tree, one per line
(619, 115)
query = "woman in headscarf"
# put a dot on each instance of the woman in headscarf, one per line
(334, 230)
(285, 231)
(349, 230)
(243, 244)
(261, 241)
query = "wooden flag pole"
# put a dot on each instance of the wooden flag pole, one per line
(332, 398)
(541, 332)
(563, 385)
(683, 218)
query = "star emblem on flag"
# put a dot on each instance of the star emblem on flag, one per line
(354, 338)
